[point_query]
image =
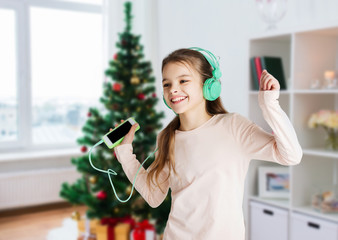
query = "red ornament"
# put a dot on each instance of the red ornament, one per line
(89, 114)
(102, 195)
(115, 56)
(141, 96)
(154, 95)
(117, 87)
(83, 149)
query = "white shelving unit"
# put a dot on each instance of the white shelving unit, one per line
(306, 54)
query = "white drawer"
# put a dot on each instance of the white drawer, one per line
(268, 222)
(312, 228)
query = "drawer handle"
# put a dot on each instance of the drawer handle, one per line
(313, 225)
(268, 212)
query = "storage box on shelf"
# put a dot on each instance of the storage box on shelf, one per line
(306, 55)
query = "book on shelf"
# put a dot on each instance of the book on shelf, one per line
(272, 64)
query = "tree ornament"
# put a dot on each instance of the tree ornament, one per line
(138, 109)
(141, 96)
(89, 114)
(137, 47)
(117, 87)
(128, 190)
(76, 216)
(154, 95)
(135, 80)
(102, 195)
(93, 179)
(115, 56)
(83, 149)
(124, 42)
(116, 210)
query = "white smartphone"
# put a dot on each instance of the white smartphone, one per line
(116, 136)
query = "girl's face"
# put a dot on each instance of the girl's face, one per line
(181, 80)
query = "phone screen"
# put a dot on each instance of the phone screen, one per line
(120, 132)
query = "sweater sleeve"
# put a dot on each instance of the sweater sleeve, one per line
(130, 165)
(281, 147)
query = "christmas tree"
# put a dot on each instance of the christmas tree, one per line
(129, 92)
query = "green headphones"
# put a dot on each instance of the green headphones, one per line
(212, 86)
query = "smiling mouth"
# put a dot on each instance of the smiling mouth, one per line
(179, 101)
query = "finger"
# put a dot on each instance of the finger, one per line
(266, 80)
(269, 84)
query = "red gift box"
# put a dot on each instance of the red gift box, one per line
(143, 231)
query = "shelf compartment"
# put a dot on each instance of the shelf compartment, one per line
(315, 53)
(304, 106)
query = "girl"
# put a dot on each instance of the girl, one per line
(204, 152)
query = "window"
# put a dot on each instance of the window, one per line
(8, 77)
(50, 75)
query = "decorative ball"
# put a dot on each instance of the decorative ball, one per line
(115, 56)
(93, 179)
(135, 80)
(138, 109)
(83, 149)
(154, 95)
(117, 87)
(76, 216)
(128, 190)
(141, 96)
(116, 210)
(89, 114)
(102, 195)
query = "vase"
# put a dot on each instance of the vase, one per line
(331, 142)
(271, 11)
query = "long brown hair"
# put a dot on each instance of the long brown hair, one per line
(166, 139)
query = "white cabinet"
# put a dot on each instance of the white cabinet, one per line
(310, 228)
(268, 222)
(306, 54)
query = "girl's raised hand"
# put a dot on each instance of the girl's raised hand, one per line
(130, 135)
(268, 82)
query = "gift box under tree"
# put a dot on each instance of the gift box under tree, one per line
(143, 231)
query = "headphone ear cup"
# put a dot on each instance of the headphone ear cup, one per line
(211, 89)
(166, 103)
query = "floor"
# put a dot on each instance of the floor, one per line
(34, 223)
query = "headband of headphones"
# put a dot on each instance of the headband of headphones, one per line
(212, 60)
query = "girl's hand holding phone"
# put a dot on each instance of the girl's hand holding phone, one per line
(130, 135)
(268, 82)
